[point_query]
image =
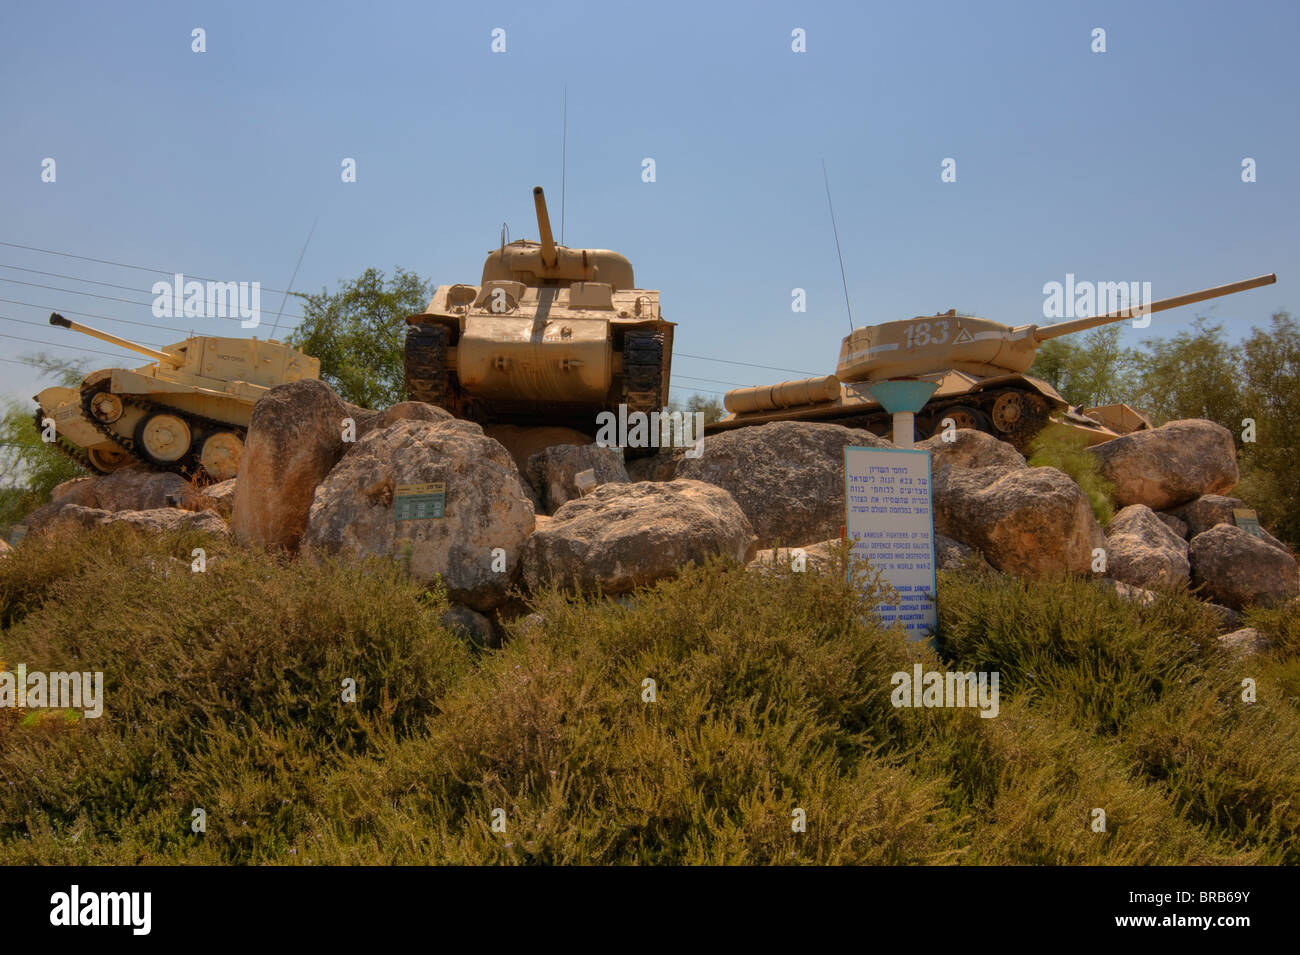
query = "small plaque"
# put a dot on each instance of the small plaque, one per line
(419, 502)
(1245, 518)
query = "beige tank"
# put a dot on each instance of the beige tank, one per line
(549, 336)
(977, 364)
(187, 411)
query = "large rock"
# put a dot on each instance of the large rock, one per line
(5, 549)
(1211, 509)
(1169, 465)
(219, 497)
(79, 491)
(970, 449)
(815, 557)
(1174, 523)
(132, 488)
(788, 476)
(1245, 642)
(622, 536)
(1237, 569)
(485, 507)
(1143, 551)
(950, 554)
(661, 466)
(294, 438)
(523, 443)
(1031, 522)
(553, 471)
(471, 624)
(157, 520)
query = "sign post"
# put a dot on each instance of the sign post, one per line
(889, 523)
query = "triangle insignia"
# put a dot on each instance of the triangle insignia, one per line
(963, 336)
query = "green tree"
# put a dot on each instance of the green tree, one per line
(1194, 374)
(29, 467)
(359, 334)
(1093, 370)
(1270, 388)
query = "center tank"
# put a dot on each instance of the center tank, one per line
(551, 336)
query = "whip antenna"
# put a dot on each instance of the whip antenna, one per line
(843, 277)
(564, 157)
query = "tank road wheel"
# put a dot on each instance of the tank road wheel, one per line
(1008, 412)
(220, 455)
(163, 439)
(643, 376)
(964, 416)
(106, 407)
(426, 365)
(106, 460)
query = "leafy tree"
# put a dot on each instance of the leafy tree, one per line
(1094, 370)
(359, 334)
(1271, 397)
(29, 467)
(1195, 374)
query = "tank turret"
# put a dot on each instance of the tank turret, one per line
(187, 411)
(550, 336)
(978, 365)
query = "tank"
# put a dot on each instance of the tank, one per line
(978, 365)
(187, 411)
(550, 336)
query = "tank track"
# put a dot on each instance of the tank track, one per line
(188, 463)
(643, 370)
(425, 359)
(66, 447)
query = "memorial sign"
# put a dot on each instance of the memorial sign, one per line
(889, 523)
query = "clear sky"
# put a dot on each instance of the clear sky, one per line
(1115, 166)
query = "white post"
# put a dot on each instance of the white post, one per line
(903, 429)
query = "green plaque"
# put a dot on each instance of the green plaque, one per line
(1246, 519)
(419, 502)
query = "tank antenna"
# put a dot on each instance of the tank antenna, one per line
(834, 229)
(564, 158)
(285, 297)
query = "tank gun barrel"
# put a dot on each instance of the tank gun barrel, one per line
(158, 356)
(1044, 332)
(550, 258)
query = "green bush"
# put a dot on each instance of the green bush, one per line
(1056, 446)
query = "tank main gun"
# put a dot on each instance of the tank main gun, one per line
(549, 256)
(162, 357)
(1043, 333)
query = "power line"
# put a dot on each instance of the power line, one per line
(23, 321)
(727, 361)
(124, 265)
(107, 318)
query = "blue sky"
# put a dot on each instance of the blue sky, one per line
(1122, 166)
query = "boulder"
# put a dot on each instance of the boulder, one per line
(970, 449)
(1032, 522)
(158, 520)
(485, 507)
(817, 557)
(1174, 523)
(218, 497)
(1238, 569)
(472, 624)
(75, 491)
(788, 476)
(5, 549)
(1169, 465)
(294, 438)
(622, 536)
(1135, 594)
(368, 420)
(132, 488)
(1210, 509)
(1245, 642)
(661, 466)
(553, 471)
(1144, 551)
(951, 554)
(523, 443)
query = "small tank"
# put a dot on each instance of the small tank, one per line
(549, 336)
(187, 411)
(979, 366)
